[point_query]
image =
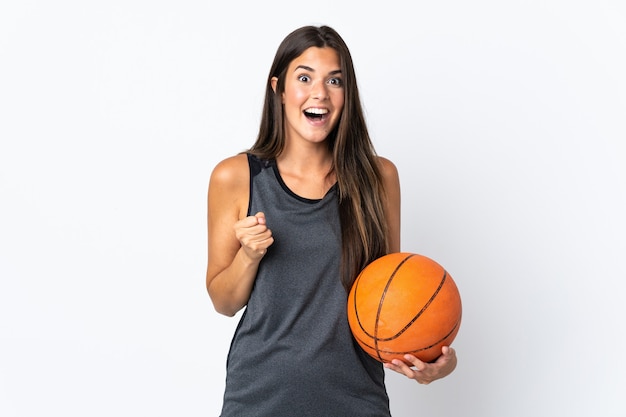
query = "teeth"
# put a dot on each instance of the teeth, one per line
(316, 111)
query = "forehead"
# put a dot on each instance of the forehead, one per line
(318, 59)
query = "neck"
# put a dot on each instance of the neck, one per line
(310, 160)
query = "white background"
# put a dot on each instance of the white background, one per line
(507, 121)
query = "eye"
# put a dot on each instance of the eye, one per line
(304, 78)
(336, 81)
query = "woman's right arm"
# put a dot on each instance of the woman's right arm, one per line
(236, 242)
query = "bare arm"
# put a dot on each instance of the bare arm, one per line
(422, 372)
(392, 188)
(236, 243)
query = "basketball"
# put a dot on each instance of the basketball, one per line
(404, 303)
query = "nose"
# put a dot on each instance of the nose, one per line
(319, 90)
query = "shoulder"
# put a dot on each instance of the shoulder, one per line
(229, 188)
(388, 169)
(390, 176)
(231, 172)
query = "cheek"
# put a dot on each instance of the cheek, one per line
(338, 101)
(294, 96)
(300, 97)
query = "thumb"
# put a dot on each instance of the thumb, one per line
(260, 217)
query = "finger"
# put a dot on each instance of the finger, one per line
(246, 222)
(448, 351)
(260, 217)
(251, 228)
(257, 239)
(447, 354)
(400, 367)
(393, 365)
(418, 364)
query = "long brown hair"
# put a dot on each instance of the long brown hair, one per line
(359, 179)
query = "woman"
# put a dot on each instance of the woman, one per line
(291, 222)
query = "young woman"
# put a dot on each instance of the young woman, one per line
(291, 223)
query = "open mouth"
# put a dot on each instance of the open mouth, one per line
(315, 114)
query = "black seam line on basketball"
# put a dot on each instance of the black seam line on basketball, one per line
(382, 300)
(358, 319)
(428, 347)
(356, 311)
(356, 291)
(432, 298)
(390, 352)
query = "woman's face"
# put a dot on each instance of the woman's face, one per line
(314, 95)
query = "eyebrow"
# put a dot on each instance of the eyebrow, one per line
(307, 68)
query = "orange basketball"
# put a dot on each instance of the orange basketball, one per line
(404, 303)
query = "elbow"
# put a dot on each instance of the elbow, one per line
(222, 306)
(224, 310)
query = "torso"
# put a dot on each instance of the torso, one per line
(293, 353)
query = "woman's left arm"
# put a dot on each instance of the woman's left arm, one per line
(392, 190)
(422, 372)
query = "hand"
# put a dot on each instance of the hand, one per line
(424, 372)
(254, 236)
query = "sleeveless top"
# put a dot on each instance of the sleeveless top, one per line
(292, 354)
